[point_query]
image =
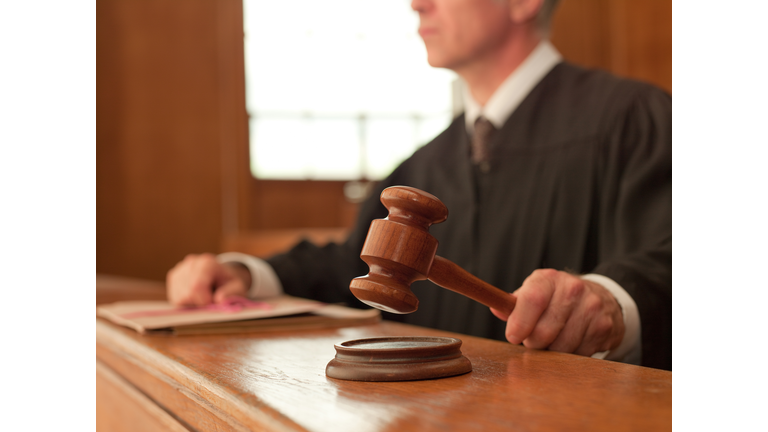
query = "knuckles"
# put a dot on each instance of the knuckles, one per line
(573, 288)
(535, 298)
(206, 257)
(547, 274)
(549, 288)
(197, 259)
(593, 305)
(206, 261)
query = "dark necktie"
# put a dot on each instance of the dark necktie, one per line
(484, 131)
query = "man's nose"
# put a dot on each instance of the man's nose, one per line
(421, 6)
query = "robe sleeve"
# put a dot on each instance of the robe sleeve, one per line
(636, 213)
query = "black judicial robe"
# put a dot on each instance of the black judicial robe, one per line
(580, 179)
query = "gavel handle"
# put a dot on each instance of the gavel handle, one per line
(450, 276)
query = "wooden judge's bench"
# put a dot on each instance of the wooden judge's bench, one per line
(276, 382)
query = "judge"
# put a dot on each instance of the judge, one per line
(559, 185)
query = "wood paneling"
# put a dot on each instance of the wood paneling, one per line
(629, 38)
(170, 114)
(265, 243)
(292, 204)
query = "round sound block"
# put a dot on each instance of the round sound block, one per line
(398, 359)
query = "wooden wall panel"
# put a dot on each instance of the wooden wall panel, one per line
(160, 138)
(299, 204)
(265, 243)
(581, 32)
(648, 41)
(630, 38)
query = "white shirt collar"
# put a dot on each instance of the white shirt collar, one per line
(514, 89)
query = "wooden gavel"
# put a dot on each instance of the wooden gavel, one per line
(400, 250)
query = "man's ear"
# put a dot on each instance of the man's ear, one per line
(523, 11)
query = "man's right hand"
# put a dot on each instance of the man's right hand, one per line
(199, 280)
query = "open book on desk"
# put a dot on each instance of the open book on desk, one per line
(239, 315)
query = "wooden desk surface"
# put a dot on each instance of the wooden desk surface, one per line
(276, 381)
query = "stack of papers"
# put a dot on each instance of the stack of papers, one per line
(238, 316)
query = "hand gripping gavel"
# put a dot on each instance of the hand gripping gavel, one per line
(400, 250)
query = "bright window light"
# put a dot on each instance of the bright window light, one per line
(338, 89)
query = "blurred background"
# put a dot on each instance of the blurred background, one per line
(249, 124)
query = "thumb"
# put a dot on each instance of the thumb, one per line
(234, 287)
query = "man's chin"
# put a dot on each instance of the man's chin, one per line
(438, 61)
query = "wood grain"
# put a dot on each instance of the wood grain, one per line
(265, 243)
(277, 381)
(110, 289)
(450, 276)
(171, 125)
(628, 38)
(121, 407)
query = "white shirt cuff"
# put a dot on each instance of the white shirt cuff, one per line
(264, 280)
(630, 349)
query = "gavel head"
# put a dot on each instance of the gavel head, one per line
(399, 249)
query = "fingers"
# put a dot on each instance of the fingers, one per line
(190, 282)
(595, 339)
(572, 334)
(606, 326)
(562, 312)
(533, 298)
(201, 277)
(199, 280)
(234, 287)
(558, 320)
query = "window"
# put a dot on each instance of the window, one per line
(338, 89)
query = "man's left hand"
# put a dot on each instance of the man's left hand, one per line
(561, 312)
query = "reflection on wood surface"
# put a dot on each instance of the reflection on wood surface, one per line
(277, 381)
(267, 380)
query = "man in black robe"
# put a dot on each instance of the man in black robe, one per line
(567, 203)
